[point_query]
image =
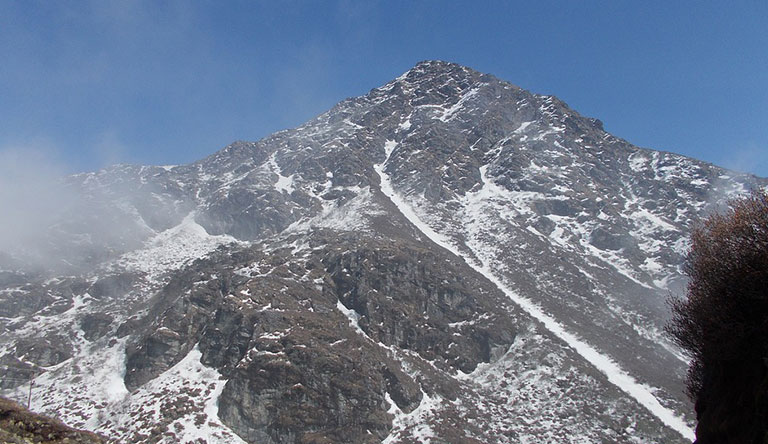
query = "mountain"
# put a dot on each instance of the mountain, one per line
(447, 258)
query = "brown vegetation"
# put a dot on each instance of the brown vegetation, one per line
(723, 323)
(19, 425)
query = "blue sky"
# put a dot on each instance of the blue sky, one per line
(91, 83)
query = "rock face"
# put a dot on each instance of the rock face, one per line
(447, 258)
(311, 342)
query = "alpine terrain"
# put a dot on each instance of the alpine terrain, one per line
(449, 259)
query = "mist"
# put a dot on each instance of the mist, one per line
(50, 222)
(32, 199)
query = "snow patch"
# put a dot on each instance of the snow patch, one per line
(449, 113)
(196, 390)
(352, 215)
(284, 184)
(353, 316)
(414, 424)
(637, 162)
(174, 248)
(520, 129)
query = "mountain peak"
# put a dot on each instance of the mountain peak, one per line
(448, 78)
(437, 68)
(447, 253)
(436, 65)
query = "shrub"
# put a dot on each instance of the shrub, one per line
(725, 314)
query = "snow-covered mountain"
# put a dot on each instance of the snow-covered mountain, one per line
(448, 258)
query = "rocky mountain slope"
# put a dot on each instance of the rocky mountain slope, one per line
(448, 258)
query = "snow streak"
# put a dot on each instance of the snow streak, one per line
(616, 375)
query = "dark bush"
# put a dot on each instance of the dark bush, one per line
(723, 321)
